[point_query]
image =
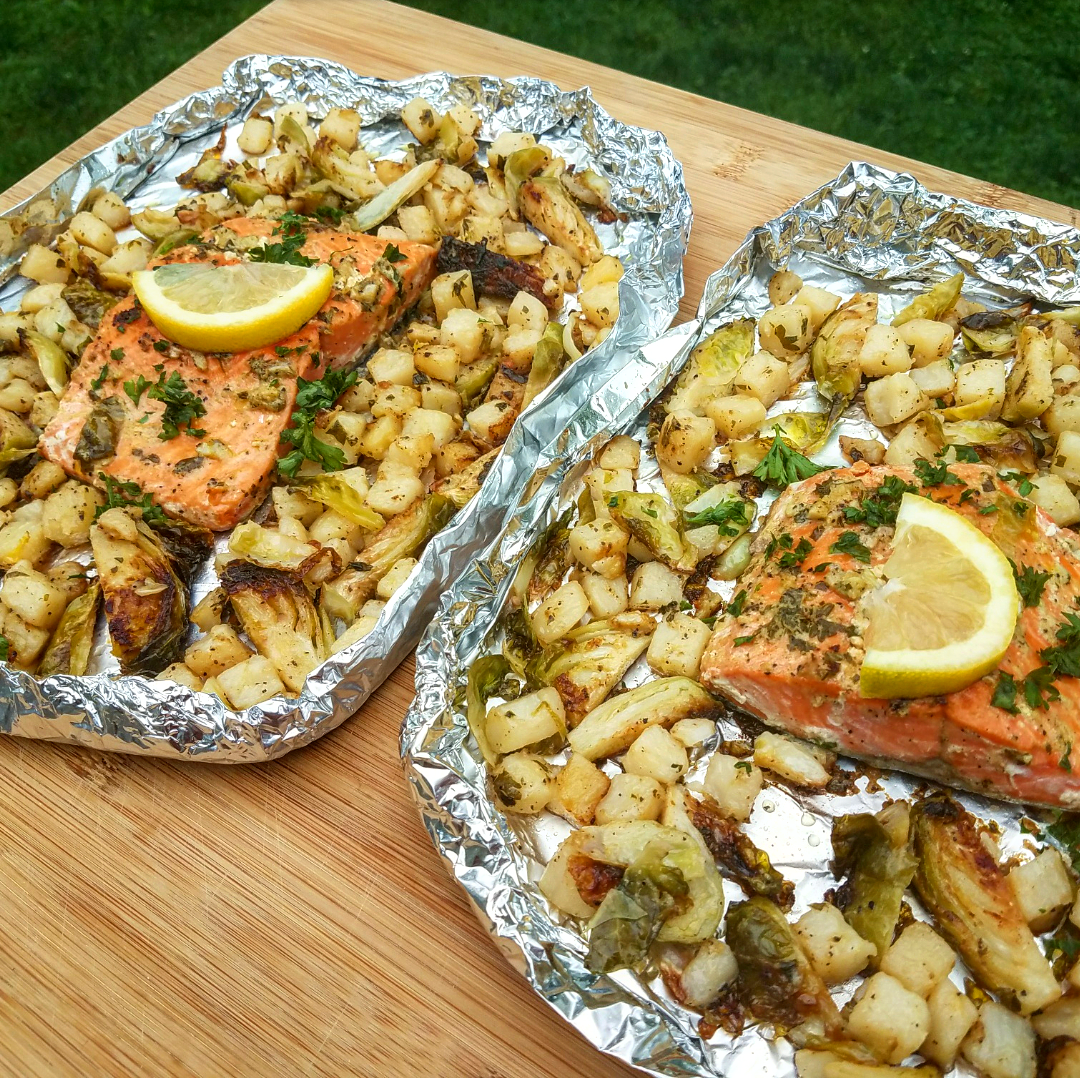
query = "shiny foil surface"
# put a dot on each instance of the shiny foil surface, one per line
(131, 714)
(869, 229)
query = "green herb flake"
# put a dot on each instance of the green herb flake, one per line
(1020, 481)
(879, 509)
(783, 465)
(964, 454)
(5, 648)
(311, 399)
(848, 543)
(986, 510)
(797, 556)
(723, 515)
(287, 250)
(135, 390)
(392, 254)
(735, 607)
(181, 405)
(99, 381)
(744, 765)
(129, 496)
(1029, 583)
(936, 475)
(740, 640)
(1005, 693)
(117, 355)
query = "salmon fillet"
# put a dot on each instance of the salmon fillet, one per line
(215, 478)
(791, 655)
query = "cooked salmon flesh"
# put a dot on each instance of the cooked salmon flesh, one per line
(792, 653)
(117, 420)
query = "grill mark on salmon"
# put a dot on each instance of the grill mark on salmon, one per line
(248, 396)
(792, 655)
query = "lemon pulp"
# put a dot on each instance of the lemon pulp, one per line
(231, 308)
(947, 612)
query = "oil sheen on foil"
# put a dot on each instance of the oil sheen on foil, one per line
(869, 229)
(130, 714)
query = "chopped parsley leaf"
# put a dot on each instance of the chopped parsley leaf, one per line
(392, 254)
(129, 495)
(311, 399)
(181, 405)
(287, 250)
(99, 381)
(848, 543)
(723, 514)
(735, 607)
(986, 510)
(797, 556)
(1029, 583)
(1005, 693)
(740, 640)
(331, 215)
(879, 509)
(1020, 481)
(117, 355)
(135, 390)
(744, 765)
(1065, 763)
(964, 454)
(936, 475)
(783, 465)
(1039, 690)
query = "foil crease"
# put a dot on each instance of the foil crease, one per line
(130, 714)
(869, 229)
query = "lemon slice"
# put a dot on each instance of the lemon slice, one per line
(231, 308)
(946, 614)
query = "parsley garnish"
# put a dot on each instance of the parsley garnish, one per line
(1020, 481)
(1066, 831)
(820, 567)
(735, 607)
(1005, 693)
(934, 475)
(1029, 583)
(783, 465)
(848, 543)
(99, 381)
(311, 399)
(117, 355)
(392, 254)
(329, 214)
(986, 510)
(129, 495)
(732, 510)
(1067, 946)
(964, 454)
(5, 648)
(181, 405)
(1064, 658)
(161, 346)
(287, 251)
(1039, 691)
(1065, 763)
(740, 640)
(797, 556)
(135, 390)
(744, 765)
(880, 509)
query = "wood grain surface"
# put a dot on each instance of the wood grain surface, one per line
(293, 918)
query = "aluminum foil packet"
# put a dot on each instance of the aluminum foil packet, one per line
(130, 714)
(869, 229)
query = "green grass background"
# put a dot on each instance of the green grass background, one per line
(986, 87)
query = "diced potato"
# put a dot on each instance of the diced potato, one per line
(527, 312)
(600, 303)
(394, 490)
(765, 377)
(1043, 889)
(392, 365)
(559, 612)
(69, 512)
(111, 209)
(397, 576)
(1001, 1044)
(785, 330)
(1066, 458)
(32, 596)
(418, 223)
(44, 266)
(693, 732)
(437, 397)
(394, 400)
(43, 410)
(294, 503)
(1052, 494)
(606, 597)
(1065, 1061)
(605, 270)
(330, 525)
(441, 426)
(438, 361)
(522, 244)
(621, 452)
(685, 441)
(928, 340)
(26, 642)
(9, 491)
(453, 457)
(653, 586)
(255, 136)
(919, 959)
(784, 286)
(737, 415)
(836, 951)
(603, 482)
(558, 885)
(1060, 1019)
(210, 610)
(658, 755)
(465, 332)
(93, 232)
(952, 1014)
(631, 797)
(935, 379)
(128, 257)
(250, 682)
(600, 546)
(1063, 414)
(421, 119)
(414, 451)
(1029, 390)
(341, 126)
(214, 653)
(525, 721)
(980, 388)
(491, 421)
(733, 784)
(890, 1020)
(818, 301)
(42, 480)
(790, 759)
(452, 290)
(708, 973)
(179, 673)
(519, 346)
(580, 786)
(883, 352)
(893, 399)
(23, 537)
(34, 299)
(677, 646)
(912, 442)
(523, 784)
(53, 321)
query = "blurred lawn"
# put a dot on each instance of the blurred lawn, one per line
(986, 87)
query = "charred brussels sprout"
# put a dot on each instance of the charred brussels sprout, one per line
(552, 560)
(932, 304)
(975, 907)
(88, 303)
(651, 519)
(545, 204)
(875, 854)
(69, 649)
(487, 676)
(713, 365)
(145, 601)
(834, 356)
(462, 487)
(548, 361)
(100, 432)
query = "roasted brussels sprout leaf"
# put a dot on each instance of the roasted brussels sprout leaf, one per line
(461, 487)
(69, 649)
(975, 907)
(486, 676)
(713, 365)
(932, 304)
(590, 661)
(651, 519)
(340, 495)
(545, 204)
(776, 981)
(553, 559)
(834, 355)
(145, 601)
(386, 202)
(875, 855)
(89, 304)
(549, 358)
(278, 612)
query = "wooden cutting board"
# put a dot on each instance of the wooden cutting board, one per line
(293, 919)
